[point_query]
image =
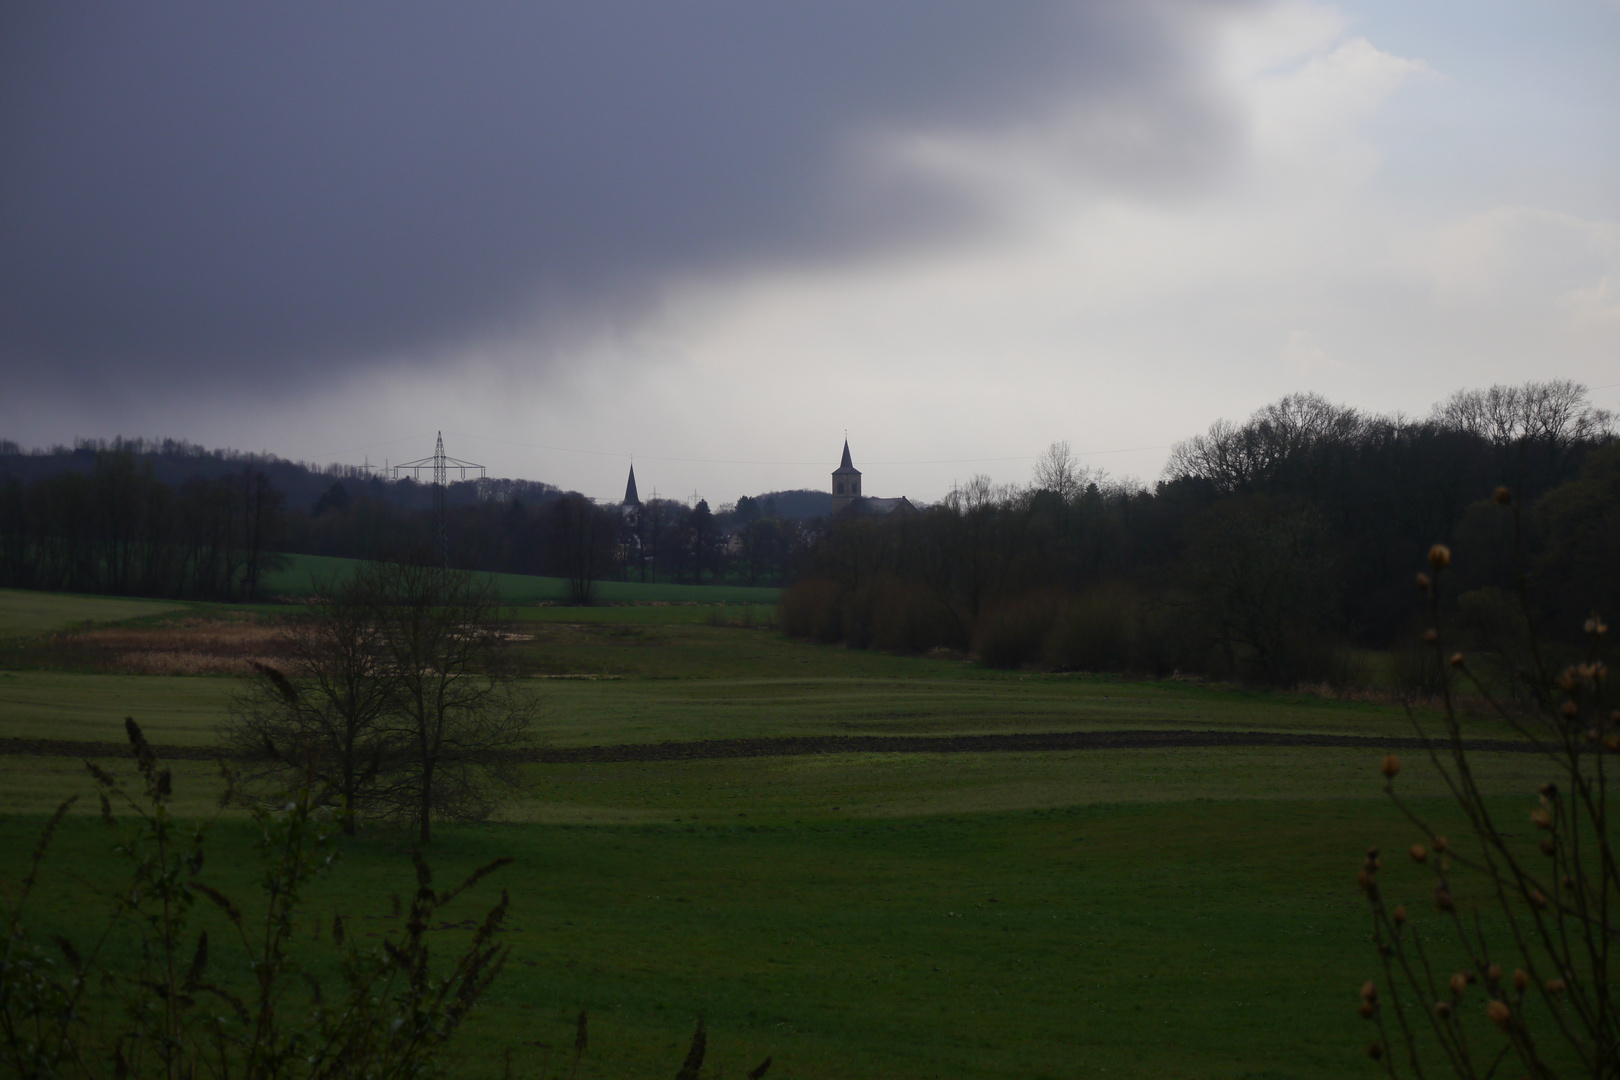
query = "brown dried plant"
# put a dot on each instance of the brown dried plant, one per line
(146, 1000)
(190, 647)
(1549, 897)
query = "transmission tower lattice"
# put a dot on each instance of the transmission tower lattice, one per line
(441, 466)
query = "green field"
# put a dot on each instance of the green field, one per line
(24, 614)
(180, 710)
(1171, 912)
(1179, 939)
(301, 571)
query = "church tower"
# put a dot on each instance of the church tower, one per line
(630, 496)
(846, 483)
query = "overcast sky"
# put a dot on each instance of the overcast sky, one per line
(717, 235)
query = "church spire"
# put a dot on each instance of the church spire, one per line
(846, 482)
(630, 496)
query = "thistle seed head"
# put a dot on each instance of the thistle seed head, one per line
(1423, 583)
(1459, 983)
(1369, 991)
(1439, 556)
(1400, 914)
(1555, 986)
(1499, 1013)
(1442, 1009)
(1391, 766)
(1520, 980)
(1442, 898)
(1502, 496)
(1419, 853)
(1431, 635)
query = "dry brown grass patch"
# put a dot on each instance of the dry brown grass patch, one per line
(196, 646)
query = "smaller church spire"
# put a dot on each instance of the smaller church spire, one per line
(630, 496)
(846, 482)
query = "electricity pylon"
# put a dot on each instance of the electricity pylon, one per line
(441, 466)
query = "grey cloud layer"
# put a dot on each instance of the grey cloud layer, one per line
(259, 195)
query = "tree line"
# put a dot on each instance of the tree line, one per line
(116, 528)
(1264, 548)
(1268, 550)
(567, 536)
(112, 524)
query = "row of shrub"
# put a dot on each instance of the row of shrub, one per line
(886, 613)
(1113, 627)
(1119, 627)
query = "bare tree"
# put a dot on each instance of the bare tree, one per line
(1538, 430)
(320, 723)
(1059, 472)
(1557, 411)
(582, 537)
(1285, 433)
(1261, 585)
(455, 716)
(984, 516)
(393, 698)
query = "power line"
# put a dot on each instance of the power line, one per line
(736, 461)
(372, 446)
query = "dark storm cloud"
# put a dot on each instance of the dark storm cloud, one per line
(231, 194)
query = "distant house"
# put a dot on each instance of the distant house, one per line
(880, 507)
(847, 500)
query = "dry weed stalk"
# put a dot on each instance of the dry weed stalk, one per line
(1555, 1013)
(165, 1009)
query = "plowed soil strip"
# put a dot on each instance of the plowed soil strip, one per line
(712, 749)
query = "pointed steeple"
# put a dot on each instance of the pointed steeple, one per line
(846, 482)
(630, 496)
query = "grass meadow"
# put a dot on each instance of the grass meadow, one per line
(301, 571)
(1145, 913)
(24, 613)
